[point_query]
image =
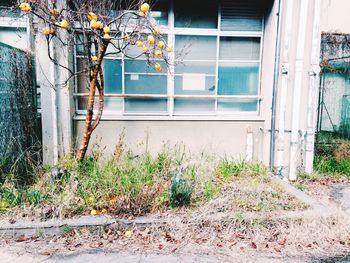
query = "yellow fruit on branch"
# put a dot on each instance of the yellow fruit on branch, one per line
(158, 67)
(144, 8)
(169, 49)
(106, 36)
(25, 7)
(145, 49)
(94, 58)
(93, 24)
(139, 43)
(161, 44)
(64, 24)
(142, 14)
(158, 54)
(55, 12)
(92, 16)
(107, 30)
(47, 31)
(150, 39)
(156, 30)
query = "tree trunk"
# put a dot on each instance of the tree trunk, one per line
(101, 100)
(91, 101)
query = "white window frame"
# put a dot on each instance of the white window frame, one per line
(171, 32)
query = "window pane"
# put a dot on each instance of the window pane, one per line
(196, 47)
(113, 75)
(145, 84)
(137, 52)
(196, 67)
(113, 83)
(194, 106)
(226, 105)
(140, 78)
(140, 66)
(239, 48)
(242, 15)
(195, 84)
(146, 105)
(196, 14)
(159, 11)
(238, 78)
(82, 78)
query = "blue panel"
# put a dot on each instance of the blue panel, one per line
(238, 78)
(113, 75)
(194, 106)
(145, 84)
(146, 105)
(228, 105)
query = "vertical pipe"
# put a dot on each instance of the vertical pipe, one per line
(284, 87)
(313, 89)
(275, 80)
(298, 81)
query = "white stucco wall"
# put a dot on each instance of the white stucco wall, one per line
(335, 16)
(222, 136)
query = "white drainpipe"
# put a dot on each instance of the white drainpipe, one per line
(298, 81)
(313, 89)
(284, 87)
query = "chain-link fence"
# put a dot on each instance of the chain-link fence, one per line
(333, 115)
(19, 131)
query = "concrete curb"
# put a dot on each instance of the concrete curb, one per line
(52, 227)
(300, 195)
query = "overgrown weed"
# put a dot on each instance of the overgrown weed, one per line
(129, 184)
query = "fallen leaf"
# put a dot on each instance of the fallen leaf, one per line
(240, 235)
(277, 249)
(22, 238)
(45, 253)
(12, 221)
(128, 233)
(93, 212)
(253, 245)
(84, 231)
(283, 242)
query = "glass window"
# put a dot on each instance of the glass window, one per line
(242, 15)
(149, 105)
(239, 48)
(237, 75)
(196, 75)
(140, 78)
(204, 82)
(196, 14)
(196, 47)
(159, 11)
(238, 78)
(113, 83)
(228, 105)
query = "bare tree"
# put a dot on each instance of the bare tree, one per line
(96, 27)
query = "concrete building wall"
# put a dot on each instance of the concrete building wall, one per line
(217, 135)
(224, 138)
(335, 16)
